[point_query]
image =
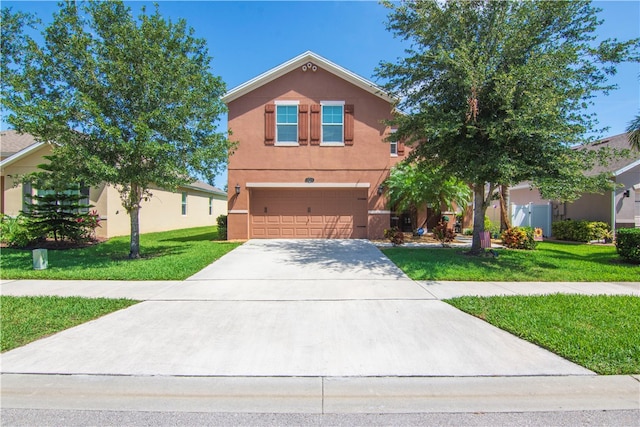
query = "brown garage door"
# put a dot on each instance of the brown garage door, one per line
(308, 214)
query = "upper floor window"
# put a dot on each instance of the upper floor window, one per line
(332, 122)
(394, 148)
(286, 122)
(394, 145)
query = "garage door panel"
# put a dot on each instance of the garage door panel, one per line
(295, 213)
(287, 219)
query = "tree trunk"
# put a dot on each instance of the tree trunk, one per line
(479, 210)
(505, 217)
(134, 215)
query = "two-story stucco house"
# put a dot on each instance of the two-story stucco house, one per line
(312, 156)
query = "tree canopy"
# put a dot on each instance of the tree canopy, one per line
(495, 92)
(126, 101)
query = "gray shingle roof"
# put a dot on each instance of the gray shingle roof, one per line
(616, 142)
(11, 142)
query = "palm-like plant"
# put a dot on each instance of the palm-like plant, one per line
(410, 186)
(634, 133)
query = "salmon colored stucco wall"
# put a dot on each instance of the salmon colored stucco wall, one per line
(366, 162)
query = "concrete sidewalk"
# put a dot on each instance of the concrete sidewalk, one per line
(281, 325)
(301, 290)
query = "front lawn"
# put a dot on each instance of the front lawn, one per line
(169, 255)
(550, 262)
(26, 319)
(599, 332)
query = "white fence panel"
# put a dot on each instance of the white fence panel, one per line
(530, 215)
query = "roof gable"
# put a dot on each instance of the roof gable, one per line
(302, 61)
(21, 154)
(618, 165)
(12, 142)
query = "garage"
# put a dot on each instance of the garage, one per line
(308, 213)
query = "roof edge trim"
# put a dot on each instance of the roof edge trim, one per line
(293, 63)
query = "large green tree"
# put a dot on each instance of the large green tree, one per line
(495, 92)
(126, 100)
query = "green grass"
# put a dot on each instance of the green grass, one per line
(26, 319)
(170, 255)
(550, 262)
(600, 332)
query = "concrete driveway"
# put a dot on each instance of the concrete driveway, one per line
(290, 308)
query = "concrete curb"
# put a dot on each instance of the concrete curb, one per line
(321, 394)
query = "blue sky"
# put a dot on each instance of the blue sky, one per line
(246, 39)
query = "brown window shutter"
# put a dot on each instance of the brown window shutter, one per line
(315, 124)
(269, 124)
(303, 124)
(348, 124)
(400, 148)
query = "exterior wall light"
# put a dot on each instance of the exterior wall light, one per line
(380, 189)
(237, 189)
(627, 193)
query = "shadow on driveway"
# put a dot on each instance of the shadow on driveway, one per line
(302, 260)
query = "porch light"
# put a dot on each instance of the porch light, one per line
(237, 189)
(380, 189)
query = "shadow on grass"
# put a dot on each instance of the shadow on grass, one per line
(207, 236)
(456, 264)
(20, 259)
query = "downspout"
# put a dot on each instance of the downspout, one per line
(613, 213)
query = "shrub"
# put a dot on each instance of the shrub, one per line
(395, 236)
(628, 244)
(221, 220)
(580, 231)
(443, 234)
(493, 229)
(519, 238)
(14, 231)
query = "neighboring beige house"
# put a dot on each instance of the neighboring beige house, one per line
(620, 208)
(194, 205)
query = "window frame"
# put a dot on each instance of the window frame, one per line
(277, 142)
(394, 153)
(210, 205)
(184, 203)
(323, 124)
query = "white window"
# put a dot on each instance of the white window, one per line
(210, 205)
(184, 203)
(286, 122)
(332, 122)
(394, 145)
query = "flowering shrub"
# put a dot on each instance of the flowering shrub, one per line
(519, 238)
(443, 234)
(395, 236)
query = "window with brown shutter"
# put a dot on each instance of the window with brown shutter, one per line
(269, 124)
(348, 124)
(303, 124)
